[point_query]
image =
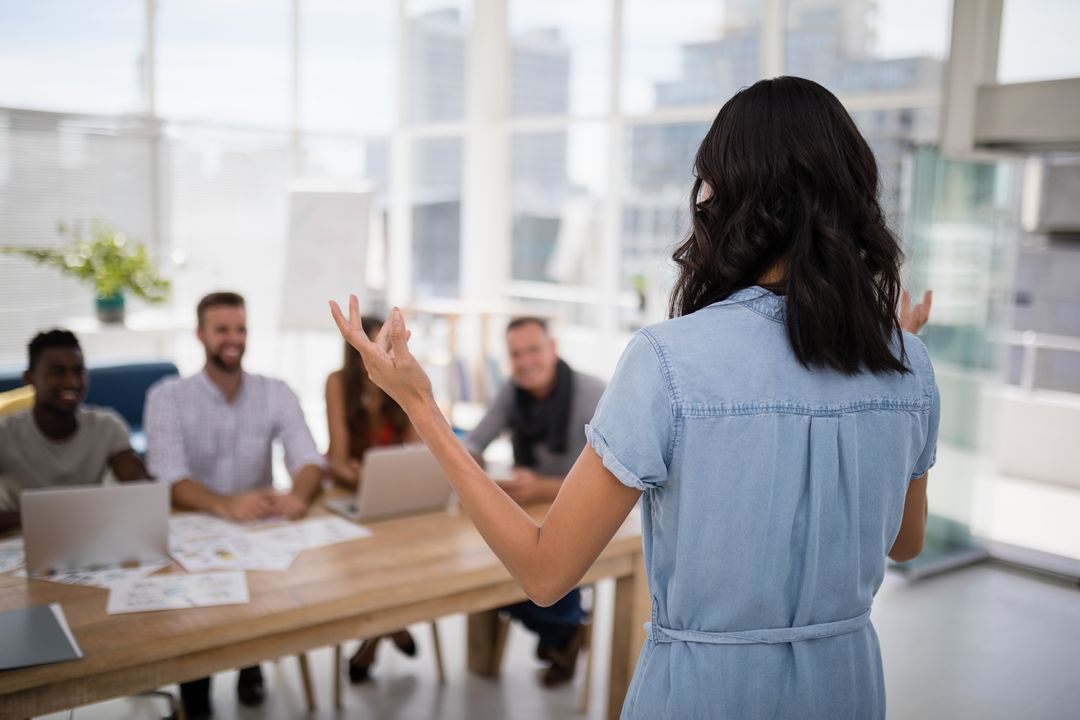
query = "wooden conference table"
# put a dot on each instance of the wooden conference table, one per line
(411, 570)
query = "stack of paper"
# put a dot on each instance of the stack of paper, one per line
(201, 542)
(196, 526)
(313, 533)
(104, 578)
(173, 592)
(232, 552)
(11, 554)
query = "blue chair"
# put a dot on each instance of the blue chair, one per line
(119, 387)
(123, 388)
(10, 379)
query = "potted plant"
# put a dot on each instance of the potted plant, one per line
(109, 260)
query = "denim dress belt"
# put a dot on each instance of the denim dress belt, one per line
(660, 634)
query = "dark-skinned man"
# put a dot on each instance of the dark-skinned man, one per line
(60, 441)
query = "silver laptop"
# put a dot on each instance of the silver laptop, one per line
(84, 527)
(397, 480)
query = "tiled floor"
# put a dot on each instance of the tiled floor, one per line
(985, 642)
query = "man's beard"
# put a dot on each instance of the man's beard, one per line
(220, 363)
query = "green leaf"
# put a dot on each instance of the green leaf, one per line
(107, 259)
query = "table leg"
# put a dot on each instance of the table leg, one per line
(487, 639)
(305, 676)
(438, 652)
(633, 607)
(339, 698)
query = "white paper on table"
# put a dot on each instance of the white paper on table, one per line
(103, 577)
(196, 526)
(312, 533)
(11, 554)
(172, 592)
(332, 530)
(199, 526)
(232, 552)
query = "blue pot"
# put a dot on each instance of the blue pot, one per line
(110, 308)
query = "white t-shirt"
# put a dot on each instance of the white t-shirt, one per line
(29, 459)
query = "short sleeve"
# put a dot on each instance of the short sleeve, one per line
(300, 450)
(115, 434)
(165, 456)
(633, 429)
(928, 456)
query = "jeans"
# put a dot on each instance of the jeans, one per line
(553, 624)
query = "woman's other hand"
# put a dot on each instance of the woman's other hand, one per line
(912, 319)
(356, 468)
(389, 362)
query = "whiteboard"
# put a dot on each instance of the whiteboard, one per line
(326, 252)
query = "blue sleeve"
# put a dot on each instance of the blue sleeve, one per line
(633, 429)
(928, 456)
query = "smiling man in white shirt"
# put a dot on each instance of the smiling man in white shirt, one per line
(210, 437)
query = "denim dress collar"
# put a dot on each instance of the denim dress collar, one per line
(756, 299)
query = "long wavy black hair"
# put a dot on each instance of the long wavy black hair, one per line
(784, 179)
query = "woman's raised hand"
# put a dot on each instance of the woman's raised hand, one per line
(387, 359)
(912, 319)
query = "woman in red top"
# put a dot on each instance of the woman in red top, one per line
(362, 416)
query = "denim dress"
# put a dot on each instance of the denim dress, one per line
(771, 496)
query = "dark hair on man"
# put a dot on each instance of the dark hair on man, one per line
(218, 299)
(793, 181)
(527, 320)
(55, 338)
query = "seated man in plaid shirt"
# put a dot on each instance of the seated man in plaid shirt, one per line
(210, 436)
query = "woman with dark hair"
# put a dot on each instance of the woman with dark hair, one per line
(778, 430)
(361, 416)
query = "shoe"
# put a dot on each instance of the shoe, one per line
(554, 676)
(250, 690)
(564, 659)
(404, 642)
(358, 674)
(195, 699)
(361, 661)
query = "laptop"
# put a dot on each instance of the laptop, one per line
(395, 481)
(86, 527)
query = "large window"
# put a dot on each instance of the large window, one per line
(1034, 44)
(70, 147)
(224, 62)
(561, 57)
(347, 79)
(436, 216)
(688, 52)
(868, 46)
(655, 210)
(550, 144)
(558, 183)
(71, 56)
(438, 39)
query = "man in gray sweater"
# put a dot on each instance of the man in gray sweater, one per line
(545, 407)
